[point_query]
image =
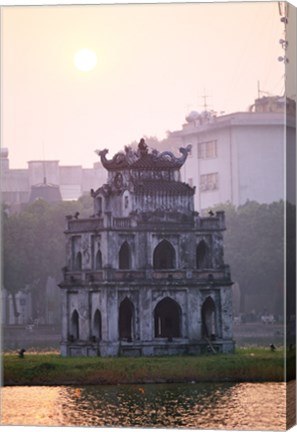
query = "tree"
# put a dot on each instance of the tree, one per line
(34, 247)
(254, 248)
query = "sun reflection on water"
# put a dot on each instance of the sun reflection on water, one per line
(205, 406)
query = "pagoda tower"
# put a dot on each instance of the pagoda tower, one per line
(145, 274)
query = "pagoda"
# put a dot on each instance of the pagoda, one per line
(145, 274)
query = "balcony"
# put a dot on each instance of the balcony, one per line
(207, 276)
(85, 225)
(215, 222)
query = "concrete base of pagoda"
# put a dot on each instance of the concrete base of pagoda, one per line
(157, 347)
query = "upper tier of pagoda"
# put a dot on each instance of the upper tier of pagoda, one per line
(142, 159)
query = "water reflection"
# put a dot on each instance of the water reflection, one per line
(199, 406)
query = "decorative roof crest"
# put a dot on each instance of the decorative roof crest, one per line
(142, 159)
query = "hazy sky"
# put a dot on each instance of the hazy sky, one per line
(155, 62)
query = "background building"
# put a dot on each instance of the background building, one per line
(43, 178)
(240, 156)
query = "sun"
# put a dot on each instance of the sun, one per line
(85, 60)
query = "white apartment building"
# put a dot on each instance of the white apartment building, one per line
(241, 156)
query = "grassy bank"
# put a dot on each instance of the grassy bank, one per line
(51, 369)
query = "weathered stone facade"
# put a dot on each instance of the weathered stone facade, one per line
(145, 275)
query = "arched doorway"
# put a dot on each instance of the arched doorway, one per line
(126, 320)
(202, 255)
(97, 325)
(167, 318)
(208, 318)
(125, 257)
(75, 325)
(164, 256)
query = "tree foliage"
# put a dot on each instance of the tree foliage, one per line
(255, 250)
(34, 246)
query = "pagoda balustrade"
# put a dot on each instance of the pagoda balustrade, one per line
(96, 223)
(110, 274)
(85, 225)
(122, 222)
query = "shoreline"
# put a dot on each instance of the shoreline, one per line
(145, 382)
(245, 365)
(42, 337)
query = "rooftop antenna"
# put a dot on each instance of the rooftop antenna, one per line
(262, 91)
(259, 91)
(204, 97)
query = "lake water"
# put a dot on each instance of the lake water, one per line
(259, 406)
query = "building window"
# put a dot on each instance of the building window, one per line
(164, 256)
(207, 149)
(209, 182)
(125, 257)
(74, 326)
(202, 255)
(78, 262)
(99, 260)
(99, 205)
(97, 325)
(126, 320)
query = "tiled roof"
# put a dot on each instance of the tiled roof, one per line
(150, 162)
(143, 159)
(48, 192)
(172, 187)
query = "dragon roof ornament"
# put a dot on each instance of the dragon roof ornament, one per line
(143, 159)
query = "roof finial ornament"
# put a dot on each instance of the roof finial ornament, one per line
(142, 159)
(142, 147)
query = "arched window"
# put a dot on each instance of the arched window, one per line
(97, 325)
(126, 320)
(125, 257)
(75, 325)
(98, 205)
(202, 255)
(98, 260)
(78, 261)
(167, 318)
(164, 256)
(208, 318)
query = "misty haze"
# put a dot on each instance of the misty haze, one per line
(236, 136)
